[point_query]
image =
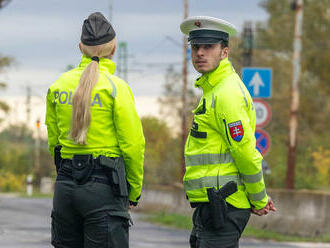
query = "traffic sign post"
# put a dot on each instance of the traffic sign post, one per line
(262, 141)
(263, 112)
(258, 81)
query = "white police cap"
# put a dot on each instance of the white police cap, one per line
(207, 30)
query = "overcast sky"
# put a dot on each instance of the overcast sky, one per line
(43, 37)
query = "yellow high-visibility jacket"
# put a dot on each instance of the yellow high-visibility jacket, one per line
(221, 145)
(115, 129)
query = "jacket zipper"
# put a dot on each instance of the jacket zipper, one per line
(224, 121)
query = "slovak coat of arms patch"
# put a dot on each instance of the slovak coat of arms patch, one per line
(236, 130)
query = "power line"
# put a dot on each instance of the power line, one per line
(122, 60)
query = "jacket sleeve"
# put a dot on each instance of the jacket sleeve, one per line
(130, 138)
(236, 129)
(52, 129)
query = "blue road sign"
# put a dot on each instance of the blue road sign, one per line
(263, 141)
(188, 53)
(258, 81)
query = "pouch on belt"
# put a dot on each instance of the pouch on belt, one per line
(115, 170)
(82, 168)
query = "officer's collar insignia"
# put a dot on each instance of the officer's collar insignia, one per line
(236, 130)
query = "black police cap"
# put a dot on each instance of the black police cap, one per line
(97, 30)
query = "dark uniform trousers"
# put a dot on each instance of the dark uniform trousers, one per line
(88, 215)
(204, 235)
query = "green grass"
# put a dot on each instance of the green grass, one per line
(185, 222)
(36, 195)
(271, 235)
(172, 220)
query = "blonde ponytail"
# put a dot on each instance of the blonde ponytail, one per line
(81, 114)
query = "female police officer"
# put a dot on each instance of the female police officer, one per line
(91, 117)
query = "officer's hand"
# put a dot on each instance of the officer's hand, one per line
(130, 207)
(271, 205)
(264, 211)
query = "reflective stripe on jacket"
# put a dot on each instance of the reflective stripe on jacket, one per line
(221, 145)
(115, 129)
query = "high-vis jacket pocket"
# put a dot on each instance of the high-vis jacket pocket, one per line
(198, 134)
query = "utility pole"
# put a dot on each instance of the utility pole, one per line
(247, 44)
(122, 60)
(29, 178)
(28, 105)
(293, 124)
(37, 150)
(110, 10)
(184, 94)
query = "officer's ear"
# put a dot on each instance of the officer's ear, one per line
(80, 47)
(113, 50)
(224, 53)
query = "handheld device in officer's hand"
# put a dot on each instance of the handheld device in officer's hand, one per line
(218, 204)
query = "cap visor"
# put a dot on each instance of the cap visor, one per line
(204, 40)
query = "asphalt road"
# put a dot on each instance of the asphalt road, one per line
(25, 223)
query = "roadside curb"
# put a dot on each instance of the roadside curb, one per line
(9, 195)
(293, 244)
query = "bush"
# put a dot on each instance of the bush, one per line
(321, 161)
(11, 183)
(161, 164)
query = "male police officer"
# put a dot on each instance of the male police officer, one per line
(223, 176)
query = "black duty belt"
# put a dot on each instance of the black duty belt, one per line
(98, 175)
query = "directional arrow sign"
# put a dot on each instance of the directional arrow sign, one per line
(255, 83)
(258, 81)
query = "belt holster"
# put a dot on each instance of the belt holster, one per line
(115, 171)
(57, 157)
(82, 168)
(218, 204)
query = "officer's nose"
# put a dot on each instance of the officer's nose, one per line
(200, 51)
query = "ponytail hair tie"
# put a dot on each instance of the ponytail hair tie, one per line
(95, 58)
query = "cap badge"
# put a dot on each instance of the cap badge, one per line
(198, 24)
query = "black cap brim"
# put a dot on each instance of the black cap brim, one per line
(205, 41)
(205, 36)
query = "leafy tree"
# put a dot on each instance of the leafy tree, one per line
(162, 165)
(4, 63)
(274, 48)
(18, 154)
(171, 103)
(321, 161)
(172, 107)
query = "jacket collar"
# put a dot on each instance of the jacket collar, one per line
(210, 79)
(105, 64)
